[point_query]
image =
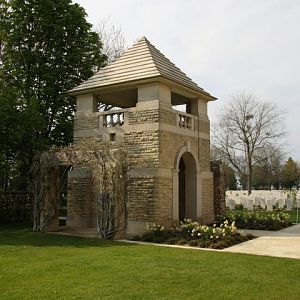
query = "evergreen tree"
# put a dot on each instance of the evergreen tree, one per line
(46, 48)
(229, 177)
(291, 174)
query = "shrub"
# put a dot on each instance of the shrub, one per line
(239, 207)
(195, 230)
(257, 219)
(194, 234)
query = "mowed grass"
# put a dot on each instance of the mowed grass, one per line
(44, 266)
(293, 217)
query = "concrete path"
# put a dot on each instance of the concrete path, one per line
(282, 243)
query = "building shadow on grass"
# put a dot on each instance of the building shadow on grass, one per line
(20, 234)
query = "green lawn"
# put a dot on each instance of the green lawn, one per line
(293, 217)
(42, 266)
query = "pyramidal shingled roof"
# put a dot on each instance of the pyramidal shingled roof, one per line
(141, 61)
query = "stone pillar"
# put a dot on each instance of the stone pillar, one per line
(149, 185)
(80, 198)
(218, 188)
(52, 199)
(86, 103)
(175, 196)
(154, 92)
(197, 107)
(86, 119)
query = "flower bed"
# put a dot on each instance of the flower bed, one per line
(194, 234)
(259, 220)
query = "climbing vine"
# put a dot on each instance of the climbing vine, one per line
(107, 161)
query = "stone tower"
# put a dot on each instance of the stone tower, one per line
(169, 150)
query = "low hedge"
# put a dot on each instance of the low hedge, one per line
(259, 220)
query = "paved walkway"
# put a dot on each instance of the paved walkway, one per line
(282, 243)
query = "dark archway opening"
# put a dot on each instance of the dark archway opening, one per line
(187, 183)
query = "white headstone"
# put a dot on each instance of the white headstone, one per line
(231, 204)
(263, 203)
(250, 205)
(257, 201)
(243, 201)
(270, 205)
(280, 202)
(289, 203)
(227, 201)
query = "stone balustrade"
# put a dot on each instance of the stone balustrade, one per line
(113, 119)
(117, 118)
(184, 121)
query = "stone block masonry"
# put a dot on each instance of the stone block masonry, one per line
(150, 200)
(207, 203)
(218, 188)
(141, 202)
(143, 148)
(143, 116)
(86, 122)
(80, 203)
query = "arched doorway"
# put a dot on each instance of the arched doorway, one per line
(187, 187)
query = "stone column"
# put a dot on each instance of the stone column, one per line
(198, 107)
(80, 198)
(86, 103)
(157, 92)
(218, 188)
(175, 195)
(52, 199)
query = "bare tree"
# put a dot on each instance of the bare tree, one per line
(246, 127)
(114, 45)
(112, 38)
(269, 164)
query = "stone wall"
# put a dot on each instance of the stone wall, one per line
(143, 148)
(170, 143)
(150, 200)
(207, 203)
(143, 116)
(204, 154)
(80, 198)
(218, 188)
(163, 201)
(167, 117)
(86, 122)
(203, 126)
(141, 199)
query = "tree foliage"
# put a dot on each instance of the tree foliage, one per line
(245, 128)
(267, 174)
(229, 177)
(46, 48)
(290, 174)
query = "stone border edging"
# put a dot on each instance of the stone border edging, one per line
(170, 246)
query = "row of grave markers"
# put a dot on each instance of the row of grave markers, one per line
(263, 203)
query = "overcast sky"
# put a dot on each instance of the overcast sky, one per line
(225, 46)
